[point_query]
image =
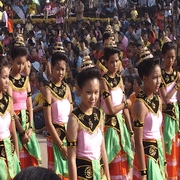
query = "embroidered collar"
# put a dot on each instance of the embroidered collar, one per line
(152, 104)
(101, 64)
(89, 122)
(102, 61)
(59, 92)
(19, 84)
(4, 103)
(168, 78)
(112, 82)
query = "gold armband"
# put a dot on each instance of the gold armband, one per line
(71, 144)
(176, 87)
(29, 94)
(46, 104)
(125, 104)
(105, 94)
(138, 123)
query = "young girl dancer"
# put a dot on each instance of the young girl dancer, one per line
(20, 91)
(117, 137)
(149, 161)
(86, 150)
(9, 150)
(57, 106)
(169, 87)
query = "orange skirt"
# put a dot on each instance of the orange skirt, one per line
(119, 167)
(173, 160)
(26, 159)
(136, 168)
(51, 157)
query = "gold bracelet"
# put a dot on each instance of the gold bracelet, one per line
(61, 146)
(176, 87)
(125, 104)
(143, 172)
(131, 133)
(13, 118)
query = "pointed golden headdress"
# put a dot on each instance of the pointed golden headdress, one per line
(145, 53)
(165, 38)
(58, 47)
(19, 40)
(87, 63)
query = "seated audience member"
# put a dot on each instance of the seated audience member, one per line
(38, 113)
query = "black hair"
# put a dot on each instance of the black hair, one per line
(167, 46)
(138, 79)
(3, 62)
(106, 35)
(30, 42)
(145, 68)
(88, 74)
(170, 28)
(74, 73)
(76, 51)
(92, 45)
(94, 32)
(129, 79)
(58, 56)
(139, 45)
(52, 40)
(69, 42)
(19, 51)
(40, 173)
(31, 33)
(40, 79)
(158, 41)
(109, 51)
(132, 26)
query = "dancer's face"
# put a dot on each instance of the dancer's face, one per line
(90, 93)
(59, 70)
(169, 58)
(4, 79)
(153, 80)
(18, 64)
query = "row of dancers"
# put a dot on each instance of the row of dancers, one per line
(90, 141)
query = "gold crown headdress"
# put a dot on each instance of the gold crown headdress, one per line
(145, 53)
(109, 28)
(58, 47)
(86, 63)
(165, 38)
(19, 40)
(112, 44)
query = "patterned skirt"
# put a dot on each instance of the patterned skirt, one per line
(9, 162)
(29, 153)
(118, 147)
(56, 162)
(154, 157)
(171, 140)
